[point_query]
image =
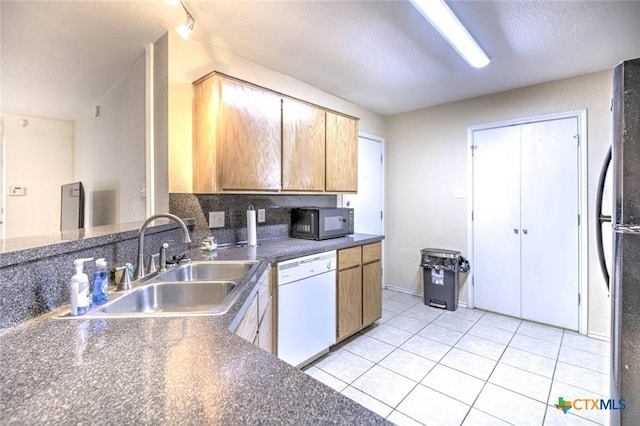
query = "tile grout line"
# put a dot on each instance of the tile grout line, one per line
(431, 321)
(553, 377)
(490, 374)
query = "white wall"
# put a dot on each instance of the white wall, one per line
(109, 151)
(427, 158)
(38, 157)
(189, 60)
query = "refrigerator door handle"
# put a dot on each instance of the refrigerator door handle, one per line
(627, 229)
(600, 218)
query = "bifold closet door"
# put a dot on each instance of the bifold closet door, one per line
(496, 220)
(549, 221)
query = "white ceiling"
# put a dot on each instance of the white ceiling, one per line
(57, 56)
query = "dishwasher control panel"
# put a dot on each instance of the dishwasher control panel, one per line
(308, 266)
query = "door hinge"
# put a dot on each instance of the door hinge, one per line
(472, 215)
(380, 158)
(381, 215)
(473, 281)
(577, 138)
(473, 149)
(578, 220)
(578, 299)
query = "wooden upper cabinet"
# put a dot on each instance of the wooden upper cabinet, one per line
(341, 153)
(303, 146)
(246, 138)
(206, 151)
(237, 137)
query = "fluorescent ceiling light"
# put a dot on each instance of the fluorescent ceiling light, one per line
(442, 18)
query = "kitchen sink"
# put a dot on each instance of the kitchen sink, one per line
(195, 289)
(168, 297)
(208, 271)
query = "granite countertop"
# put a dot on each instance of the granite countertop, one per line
(190, 370)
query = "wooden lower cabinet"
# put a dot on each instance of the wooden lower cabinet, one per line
(371, 292)
(359, 288)
(349, 305)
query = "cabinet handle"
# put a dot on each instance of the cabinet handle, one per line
(515, 230)
(524, 231)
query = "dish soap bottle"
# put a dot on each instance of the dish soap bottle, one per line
(80, 289)
(100, 283)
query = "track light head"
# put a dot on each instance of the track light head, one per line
(185, 29)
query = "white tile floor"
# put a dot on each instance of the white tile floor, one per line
(421, 365)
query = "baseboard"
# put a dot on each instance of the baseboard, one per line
(598, 336)
(402, 290)
(413, 293)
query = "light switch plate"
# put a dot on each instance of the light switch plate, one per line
(216, 219)
(261, 214)
(17, 191)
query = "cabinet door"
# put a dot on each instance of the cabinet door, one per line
(303, 146)
(265, 331)
(349, 302)
(206, 175)
(248, 327)
(341, 153)
(251, 136)
(371, 292)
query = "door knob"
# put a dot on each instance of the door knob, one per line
(524, 231)
(515, 230)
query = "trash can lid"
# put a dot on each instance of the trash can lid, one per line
(445, 253)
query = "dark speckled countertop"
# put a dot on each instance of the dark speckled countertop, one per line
(189, 370)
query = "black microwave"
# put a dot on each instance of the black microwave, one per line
(321, 223)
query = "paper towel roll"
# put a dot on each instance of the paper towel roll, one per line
(252, 238)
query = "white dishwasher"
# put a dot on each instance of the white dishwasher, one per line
(306, 307)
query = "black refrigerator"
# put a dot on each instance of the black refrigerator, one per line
(625, 276)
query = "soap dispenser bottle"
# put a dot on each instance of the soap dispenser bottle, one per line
(80, 288)
(100, 283)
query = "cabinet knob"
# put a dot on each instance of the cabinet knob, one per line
(524, 231)
(515, 230)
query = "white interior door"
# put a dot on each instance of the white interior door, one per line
(496, 220)
(549, 220)
(525, 221)
(368, 202)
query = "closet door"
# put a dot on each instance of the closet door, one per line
(496, 220)
(549, 221)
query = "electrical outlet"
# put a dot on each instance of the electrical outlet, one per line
(261, 214)
(216, 219)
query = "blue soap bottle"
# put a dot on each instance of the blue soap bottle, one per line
(100, 283)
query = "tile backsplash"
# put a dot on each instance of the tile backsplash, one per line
(39, 282)
(277, 222)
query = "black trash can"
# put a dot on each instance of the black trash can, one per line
(440, 277)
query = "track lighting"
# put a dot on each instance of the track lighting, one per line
(185, 29)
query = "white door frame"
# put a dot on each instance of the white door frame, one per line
(340, 200)
(581, 116)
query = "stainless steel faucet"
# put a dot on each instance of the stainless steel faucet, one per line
(185, 238)
(163, 257)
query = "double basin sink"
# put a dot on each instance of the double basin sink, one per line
(196, 288)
